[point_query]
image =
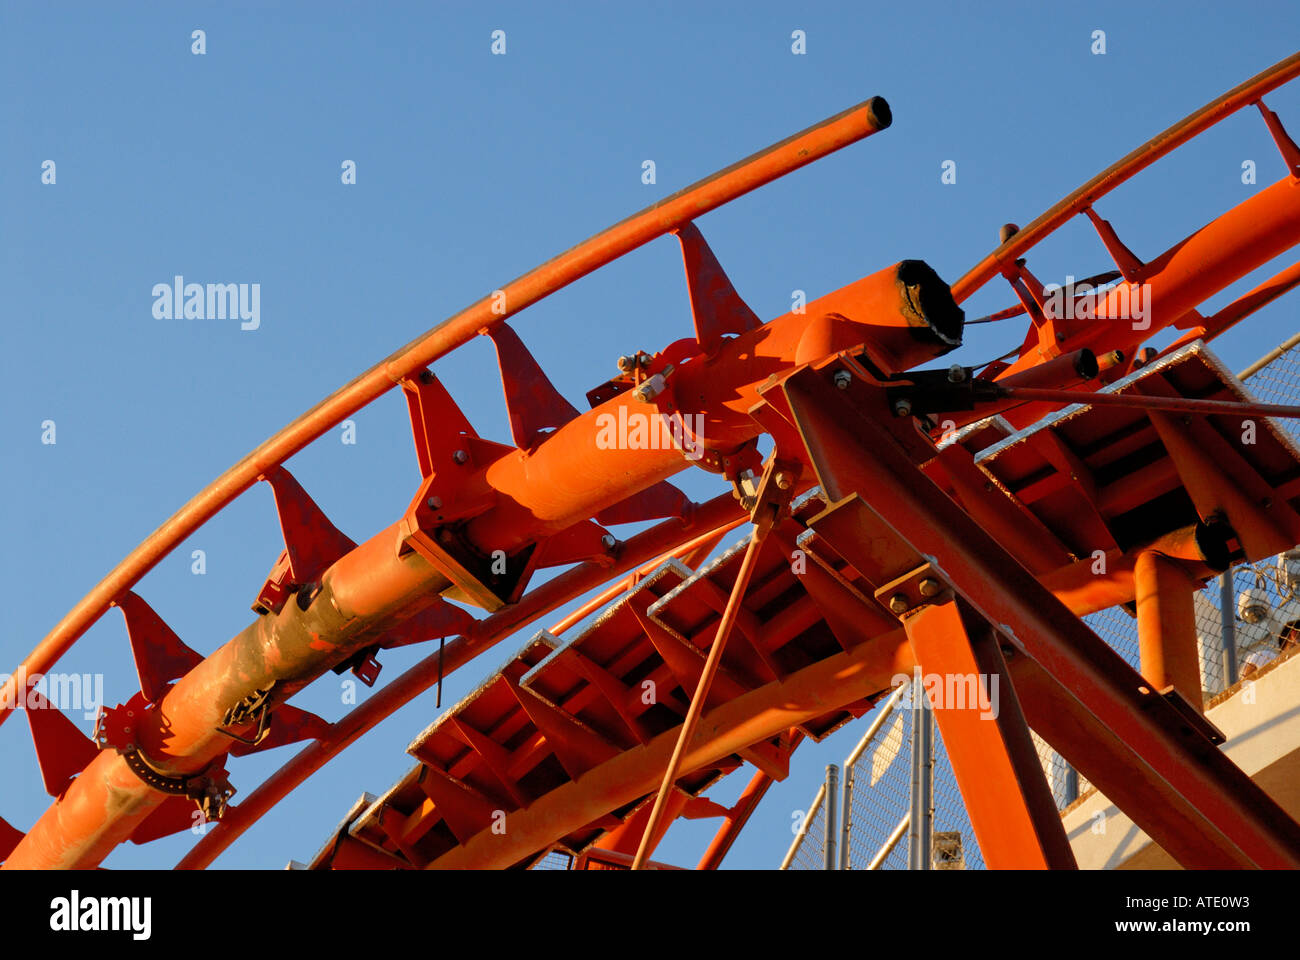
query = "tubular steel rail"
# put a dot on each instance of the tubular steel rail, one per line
(487, 516)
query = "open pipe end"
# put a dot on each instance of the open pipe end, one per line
(930, 299)
(879, 112)
(1212, 540)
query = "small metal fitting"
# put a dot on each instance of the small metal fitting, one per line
(842, 379)
(899, 604)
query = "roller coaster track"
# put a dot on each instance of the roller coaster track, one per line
(918, 546)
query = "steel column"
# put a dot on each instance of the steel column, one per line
(1166, 613)
(993, 757)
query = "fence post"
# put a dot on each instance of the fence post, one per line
(922, 802)
(832, 822)
(1228, 629)
(846, 818)
(1071, 782)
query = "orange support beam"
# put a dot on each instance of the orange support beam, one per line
(1166, 614)
(993, 757)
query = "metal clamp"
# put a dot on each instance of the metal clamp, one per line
(209, 789)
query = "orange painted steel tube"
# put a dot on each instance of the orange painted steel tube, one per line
(1110, 178)
(1166, 614)
(849, 126)
(1201, 551)
(725, 624)
(1264, 226)
(739, 815)
(722, 512)
(1146, 402)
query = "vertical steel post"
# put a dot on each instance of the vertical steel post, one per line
(922, 803)
(846, 817)
(832, 821)
(1228, 628)
(1071, 782)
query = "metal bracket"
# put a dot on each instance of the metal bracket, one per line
(255, 705)
(1189, 714)
(209, 789)
(915, 590)
(115, 729)
(115, 726)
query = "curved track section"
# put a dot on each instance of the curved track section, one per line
(560, 741)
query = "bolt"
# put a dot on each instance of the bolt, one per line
(783, 480)
(626, 363)
(460, 456)
(898, 604)
(956, 373)
(842, 379)
(608, 541)
(929, 587)
(902, 408)
(435, 503)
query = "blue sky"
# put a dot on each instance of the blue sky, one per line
(471, 169)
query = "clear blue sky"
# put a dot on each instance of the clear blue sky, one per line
(471, 169)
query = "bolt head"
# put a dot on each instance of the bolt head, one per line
(783, 480)
(956, 373)
(435, 503)
(608, 541)
(842, 379)
(898, 604)
(903, 408)
(929, 587)
(460, 456)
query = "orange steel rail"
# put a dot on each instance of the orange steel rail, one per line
(76, 831)
(1103, 183)
(539, 494)
(817, 141)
